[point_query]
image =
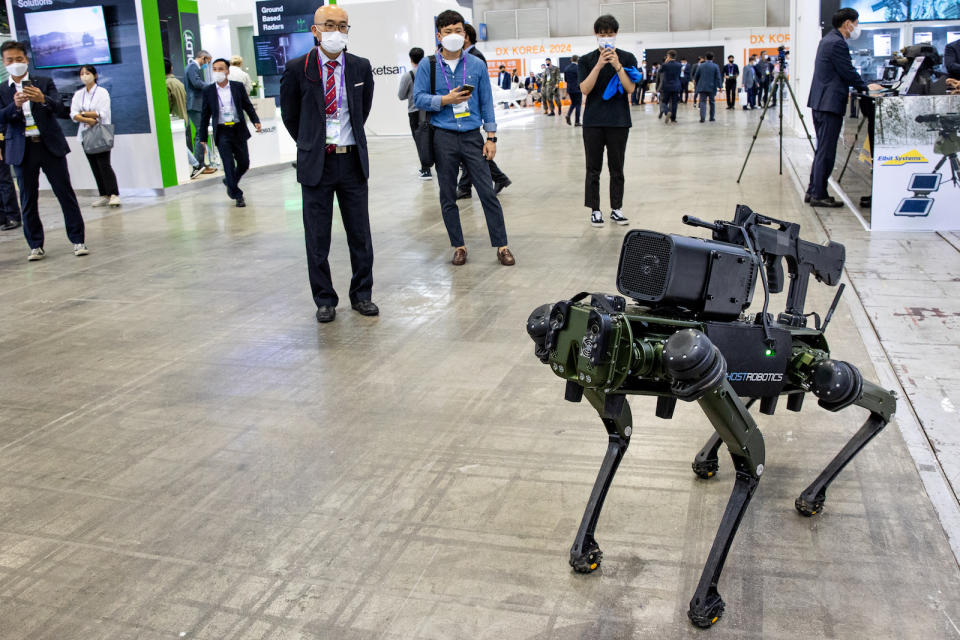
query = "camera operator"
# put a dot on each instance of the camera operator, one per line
(832, 78)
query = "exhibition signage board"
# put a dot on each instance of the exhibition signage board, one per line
(916, 171)
(285, 16)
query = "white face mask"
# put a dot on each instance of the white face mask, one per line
(855, 34)
(604, 42)
(452, 42)
(17, 68)
(87, 79)
(333, 41)
(219, 76)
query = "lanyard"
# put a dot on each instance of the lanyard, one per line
(453, 74)
(343, 76)
(220, 100)
(91, 98)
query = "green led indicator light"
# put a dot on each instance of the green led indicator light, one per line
(769, 353)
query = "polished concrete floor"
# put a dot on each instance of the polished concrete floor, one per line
(184, 452)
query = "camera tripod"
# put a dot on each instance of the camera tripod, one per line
(778, 83)
(954, 168)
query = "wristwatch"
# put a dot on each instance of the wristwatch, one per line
(493, 139)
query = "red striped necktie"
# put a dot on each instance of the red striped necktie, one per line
(333, 106)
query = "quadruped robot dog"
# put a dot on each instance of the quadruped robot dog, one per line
(688, 337)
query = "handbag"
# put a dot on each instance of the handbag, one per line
(423, 136)
(97, 139)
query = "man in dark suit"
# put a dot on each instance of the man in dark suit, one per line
(686, 73)
(764, 78)
(504, 81)
(730, 74)
(225, 102)
(693, 74)
(951, 59)
(325, 98)
(707, 82)
(571, 76)
(833, 75)
(670, 80)
(29, 108)
(194, 84)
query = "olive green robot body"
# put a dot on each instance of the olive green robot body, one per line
(606, 350)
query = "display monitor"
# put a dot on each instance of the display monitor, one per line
(880, 10)
(914, 207)
(924, 183)
(68, 37)
(273, 51)
(935, 10)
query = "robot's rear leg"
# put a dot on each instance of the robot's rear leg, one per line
(585, 554)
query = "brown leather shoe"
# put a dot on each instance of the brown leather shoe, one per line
(460, 257)
(506, 258)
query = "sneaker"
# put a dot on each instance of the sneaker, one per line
(425, 174)
(115, 201)
(596, 219)
(36, 254)
(80, 249)
(618, 217)
(100, 202)
(195, 171)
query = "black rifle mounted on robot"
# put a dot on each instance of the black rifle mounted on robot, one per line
(689, 338)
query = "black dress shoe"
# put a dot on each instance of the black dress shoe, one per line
(806, 198)
(326, 314)
(866, 202)
(366, 308)
(10, 224)
(827, 202)
(500, 186)
(241, 202)
(462, 194)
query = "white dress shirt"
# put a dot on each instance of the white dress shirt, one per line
(86, 100)
(346, 129)
(27, 109)
(226, 103)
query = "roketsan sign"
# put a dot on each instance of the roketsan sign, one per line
(29, 4)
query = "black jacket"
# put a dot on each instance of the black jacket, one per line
(670, 76)
(45, 115)
(303, 108)
(833, 75)
(241, 103)
(951, 59)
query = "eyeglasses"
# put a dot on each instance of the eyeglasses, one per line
(343, 27)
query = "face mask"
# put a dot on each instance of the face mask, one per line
(333, 41)
(607, 43)
(855, 34)
(87, 79)
(452, 42)
(219, 76)
(17, 68)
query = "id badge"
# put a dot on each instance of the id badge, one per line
(333, 130)
(228, 117)
(461, 110)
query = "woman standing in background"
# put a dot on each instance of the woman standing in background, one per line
(91, 105)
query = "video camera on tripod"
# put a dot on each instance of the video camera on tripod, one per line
(782, 54)
(948, 140)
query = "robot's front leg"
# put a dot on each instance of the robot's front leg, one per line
(699, 373)
(838, 385)
(707, 462)
(585, 554)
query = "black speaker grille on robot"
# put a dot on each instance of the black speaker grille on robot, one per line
(644, 265)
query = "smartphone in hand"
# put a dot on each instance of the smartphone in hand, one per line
(26, 83)
(468, 88)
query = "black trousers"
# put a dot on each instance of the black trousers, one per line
(343, 178)
(9, 207)
(496, 175)
(450, 149)
(103, 173)
(684, 90)
(828, 126)
(595, 140)
(670, 99)
(764, 91)
(576, 99)
(235, 158)
(731, 87)
(36, 157)
(414, 124)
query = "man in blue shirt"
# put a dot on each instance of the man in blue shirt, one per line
(459, 102)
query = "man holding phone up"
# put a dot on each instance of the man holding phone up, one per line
(459, 100)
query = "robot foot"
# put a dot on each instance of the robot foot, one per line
(588, 561)
(810, 505)
(706, 468)
(705, 613)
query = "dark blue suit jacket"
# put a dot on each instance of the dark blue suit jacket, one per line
(670, 76)
(503, 80)
(303, 108)
(708, 78)
(193, 82)
(951, 59)
(45, 115)
(833, 75)
(241, 104)
(571, 75)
